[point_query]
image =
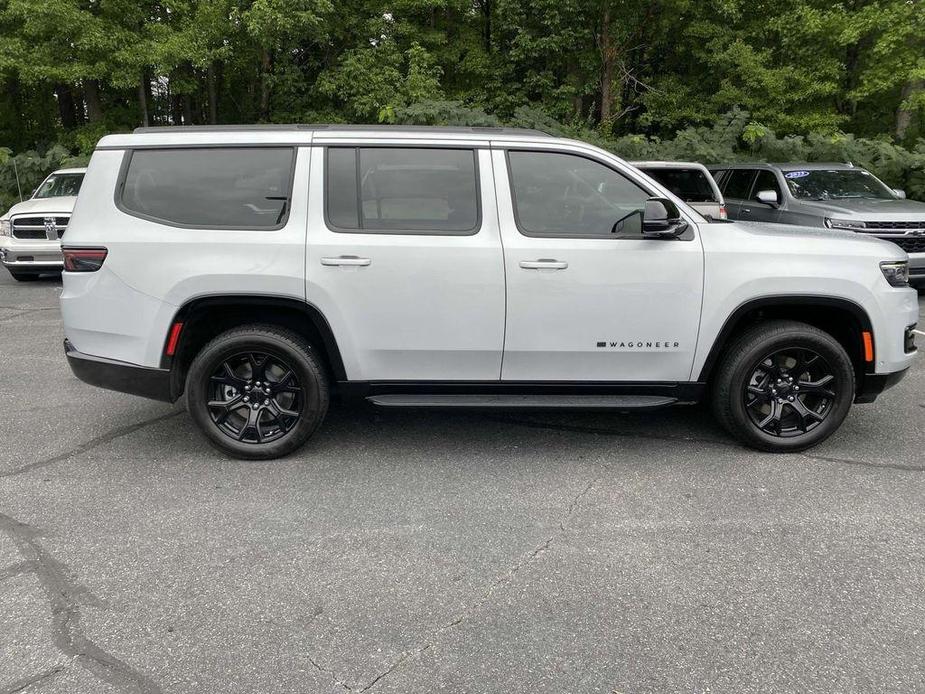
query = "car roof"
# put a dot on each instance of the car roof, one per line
(668, 164)
(787, 166)
(76, 169)
(306, 134)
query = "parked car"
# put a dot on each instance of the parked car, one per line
(690, 181)
(833, 196)
(255, 269)
(30, 231)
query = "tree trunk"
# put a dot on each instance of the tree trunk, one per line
(212, 81)
(904, 115)
(66, 108)
(486, 23)
(92, 99)
(608, 64)
(266, 64)
(143, 99)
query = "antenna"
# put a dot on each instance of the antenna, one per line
(16, 171)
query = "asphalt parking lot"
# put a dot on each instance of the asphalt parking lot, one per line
(409, 552)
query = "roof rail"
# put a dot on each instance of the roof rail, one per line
(480, 129)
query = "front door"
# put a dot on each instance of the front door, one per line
(757, 211)
(404, 261)
(588, 297)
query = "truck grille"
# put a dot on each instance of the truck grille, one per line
(33, 228)
(910, 244)
(896, 227)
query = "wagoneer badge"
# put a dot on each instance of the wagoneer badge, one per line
(51, 229)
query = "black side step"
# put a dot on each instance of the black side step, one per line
(526, 402)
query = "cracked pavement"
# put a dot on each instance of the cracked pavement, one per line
(408, 552)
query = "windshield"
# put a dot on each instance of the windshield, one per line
(836, 184)
(691, 185)
(59, 185)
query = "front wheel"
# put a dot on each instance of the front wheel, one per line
(257, 392)
(783, 386)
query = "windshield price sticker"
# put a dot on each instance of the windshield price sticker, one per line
(796, 174)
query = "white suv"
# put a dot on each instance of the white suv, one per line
(256, 269)
(30, 230)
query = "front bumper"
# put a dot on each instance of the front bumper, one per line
(121, 376)
(34, 256)
(872, 385)
(917, 267)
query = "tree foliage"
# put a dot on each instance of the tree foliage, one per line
(634, 74)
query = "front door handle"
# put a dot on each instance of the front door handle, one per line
(346, 260)
(543, 264)
(746, 210)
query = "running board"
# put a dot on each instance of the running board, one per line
(526, 402)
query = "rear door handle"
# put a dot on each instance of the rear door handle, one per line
(346, 260)
(746, 210)
(543, 264)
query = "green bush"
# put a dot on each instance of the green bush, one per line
(734, 137)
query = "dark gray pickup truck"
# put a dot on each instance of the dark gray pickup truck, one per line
(835, 196)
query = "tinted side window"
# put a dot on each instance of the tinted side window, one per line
(691, 185)
(568, 195)
(738, 184)
(766, 181)
(391, 189)
(233, 187)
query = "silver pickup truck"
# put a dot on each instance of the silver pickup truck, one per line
(833, 196)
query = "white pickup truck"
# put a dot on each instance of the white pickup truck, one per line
(31, 230)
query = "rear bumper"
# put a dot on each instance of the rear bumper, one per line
(121, 376)
(874, 384)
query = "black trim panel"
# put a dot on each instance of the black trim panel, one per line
(121, 376)
(782, 300)
(356, 391)
(874, 384)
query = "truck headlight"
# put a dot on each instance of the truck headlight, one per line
(5, 227)
(896, 272)
(851, 224)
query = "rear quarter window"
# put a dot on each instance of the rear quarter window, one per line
(209, 187)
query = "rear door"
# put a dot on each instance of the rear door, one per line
(737, 186)
(404, 259)
(757, 211)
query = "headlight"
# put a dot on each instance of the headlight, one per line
(5, 228)
(896, 272)
(851, 224)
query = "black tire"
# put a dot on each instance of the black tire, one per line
(24, 276)
(257, 422)
(756, 378)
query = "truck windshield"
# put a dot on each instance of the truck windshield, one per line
(836, 184)
(59, 185)
(691, 185)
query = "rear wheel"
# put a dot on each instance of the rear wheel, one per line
(257, 392)
(783, 386)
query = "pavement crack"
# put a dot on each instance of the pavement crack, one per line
(501, 581)
(89, 445)
(26, 682)
(64, 600)
(22, 311)
(330, 673)
(19, 569)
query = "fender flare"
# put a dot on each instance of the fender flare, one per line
(736, 317)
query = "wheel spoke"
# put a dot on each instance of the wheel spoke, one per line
(773, 417)
(806, 415)
(252, 424)
(227, 407)
(818, 387)
(228, 377)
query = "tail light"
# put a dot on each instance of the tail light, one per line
(83, 259)
(722, 212)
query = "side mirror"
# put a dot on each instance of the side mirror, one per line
(768, 197)
(662, 218)
(901, 194)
